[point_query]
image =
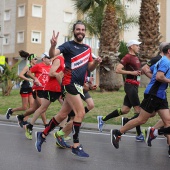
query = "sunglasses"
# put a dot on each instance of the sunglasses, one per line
(47, 57)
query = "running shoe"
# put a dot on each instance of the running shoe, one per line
(20, 120)
(25, 123)
(60, 141)
(115, 138)
(124, 121)
(150, 136)
(144, 131)
(46, 125)
(80, 152)
(100, 123)
(8, 113)
(28, 132)
(39, 141)
(140, 138)
(67, 138)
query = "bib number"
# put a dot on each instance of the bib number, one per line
(138, 78)
(79, 88)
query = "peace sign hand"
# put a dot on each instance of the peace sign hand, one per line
(54, 39)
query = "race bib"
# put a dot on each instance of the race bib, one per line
(79, 88)
(138, 78)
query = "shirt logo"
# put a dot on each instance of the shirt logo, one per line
(80, 61)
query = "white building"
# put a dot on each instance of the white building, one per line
(29, 24)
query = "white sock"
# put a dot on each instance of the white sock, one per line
(155, 133)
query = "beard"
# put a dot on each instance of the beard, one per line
(79, 39)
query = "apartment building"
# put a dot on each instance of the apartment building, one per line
(28, 25)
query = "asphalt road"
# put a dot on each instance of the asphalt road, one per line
(19, 153)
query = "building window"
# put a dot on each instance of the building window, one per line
(20, 37)
(127, 6)
(126, 28)
(21, 11)
(7, 15)
(66, 38)
(37, 11)
(88, 41)
(36, 37)
(68, 16)
(6, 39)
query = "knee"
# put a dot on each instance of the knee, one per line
(43, 109)
(24, 108)
(141, 121)
(167, 123)
(80, 114)
(90, 106)
(124, 111)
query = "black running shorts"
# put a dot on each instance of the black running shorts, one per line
(131, 98)
(152, 103)
(51, 96)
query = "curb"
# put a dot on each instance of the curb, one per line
(85, 126)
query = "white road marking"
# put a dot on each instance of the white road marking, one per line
(82, 131)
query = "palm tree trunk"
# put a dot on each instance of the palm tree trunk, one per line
(109, 44)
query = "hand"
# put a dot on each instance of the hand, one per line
(92, 87)
(98, 60)
(54, 39)
(86, 87)
(136, 73)
(36, 82)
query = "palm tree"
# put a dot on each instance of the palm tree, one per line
(148, 32)
(8, 78)
(149, 29)
(105, 20)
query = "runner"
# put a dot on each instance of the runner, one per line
(26, 85)
(41, 76)
(78, 60)
(129, 66)
(155, 100)
(52, 92)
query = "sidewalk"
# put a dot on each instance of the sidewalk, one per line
(86, 126)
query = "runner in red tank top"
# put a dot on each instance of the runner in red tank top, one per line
(52, 92)
(41, 77)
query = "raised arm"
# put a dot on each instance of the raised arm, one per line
(53, 51)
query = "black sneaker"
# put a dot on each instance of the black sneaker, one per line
(124, 120)
(25, 123)
(20, 119)
(46, 125)
(8, 113)
(115, 138)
